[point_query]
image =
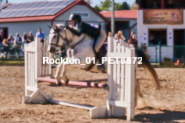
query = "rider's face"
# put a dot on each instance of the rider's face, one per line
(73, 23)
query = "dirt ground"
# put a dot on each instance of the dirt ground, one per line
(165, 105)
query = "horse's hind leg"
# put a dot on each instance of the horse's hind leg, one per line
(139, 102)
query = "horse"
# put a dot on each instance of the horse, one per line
(81, 48)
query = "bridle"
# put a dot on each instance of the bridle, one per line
(57, 31)
(66, 39)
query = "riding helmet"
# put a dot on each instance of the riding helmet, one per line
(75, 17)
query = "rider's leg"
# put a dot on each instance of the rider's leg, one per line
(100, 40)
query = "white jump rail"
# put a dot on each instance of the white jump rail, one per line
(121, 81)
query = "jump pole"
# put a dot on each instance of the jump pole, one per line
(74, 83)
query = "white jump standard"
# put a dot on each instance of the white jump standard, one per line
(121, 81)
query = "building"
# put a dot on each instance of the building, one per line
(162, 21)
(125, 20)
(25, 17)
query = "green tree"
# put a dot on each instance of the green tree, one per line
(105, 5)
(118, 6)
(97, 8)
(134, 6)
(125, 6)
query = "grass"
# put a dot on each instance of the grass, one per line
(12, 62)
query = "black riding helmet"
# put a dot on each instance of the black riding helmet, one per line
(75, 17)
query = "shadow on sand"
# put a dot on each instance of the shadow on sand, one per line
(165, 117)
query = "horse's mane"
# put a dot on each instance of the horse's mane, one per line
(62, 25)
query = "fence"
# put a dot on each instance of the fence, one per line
(11, 55)
(157, 54)
(161, 54)
(121, 80)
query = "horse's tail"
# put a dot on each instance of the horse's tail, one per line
(149, 67)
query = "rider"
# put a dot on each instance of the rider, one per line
(84, 28)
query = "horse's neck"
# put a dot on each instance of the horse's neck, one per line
(75, 38)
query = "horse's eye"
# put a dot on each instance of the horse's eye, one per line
(54, 36)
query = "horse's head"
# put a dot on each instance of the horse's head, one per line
(58, 35)
(54, 38)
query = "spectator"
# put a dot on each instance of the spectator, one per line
(170, 4)
(119, 36)
(15, 49)
(30, 37)
(133, 40)
(18, 38)
(10, 39)
(155, 6)
(110, 34)
(1, 39)
(40, 35)
(25, 38)
(5, 47)
(1, 43)
(144, 48)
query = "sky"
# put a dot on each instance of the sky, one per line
(95, 2)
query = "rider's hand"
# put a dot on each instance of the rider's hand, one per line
(67, 25)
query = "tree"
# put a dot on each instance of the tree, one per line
(105, 5)
(89, 2)
(134, 6)
(118, 6)
(125, 6)
(97, 8)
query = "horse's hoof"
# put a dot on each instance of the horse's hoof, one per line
(66, 82)
(58, 82)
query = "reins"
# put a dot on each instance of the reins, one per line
(65, 39)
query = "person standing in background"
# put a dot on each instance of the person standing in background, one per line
(133, 40)
(30, 37)
(25, 38)
(40, 35)
(110, 34)
(5, 47)
(1, 39)
(10, 39)
(18, 38)
(170, 4)
(119, 36)
(155, 5)
(15, 49)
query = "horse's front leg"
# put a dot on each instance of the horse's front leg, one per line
(57, 74)
(61, 73)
